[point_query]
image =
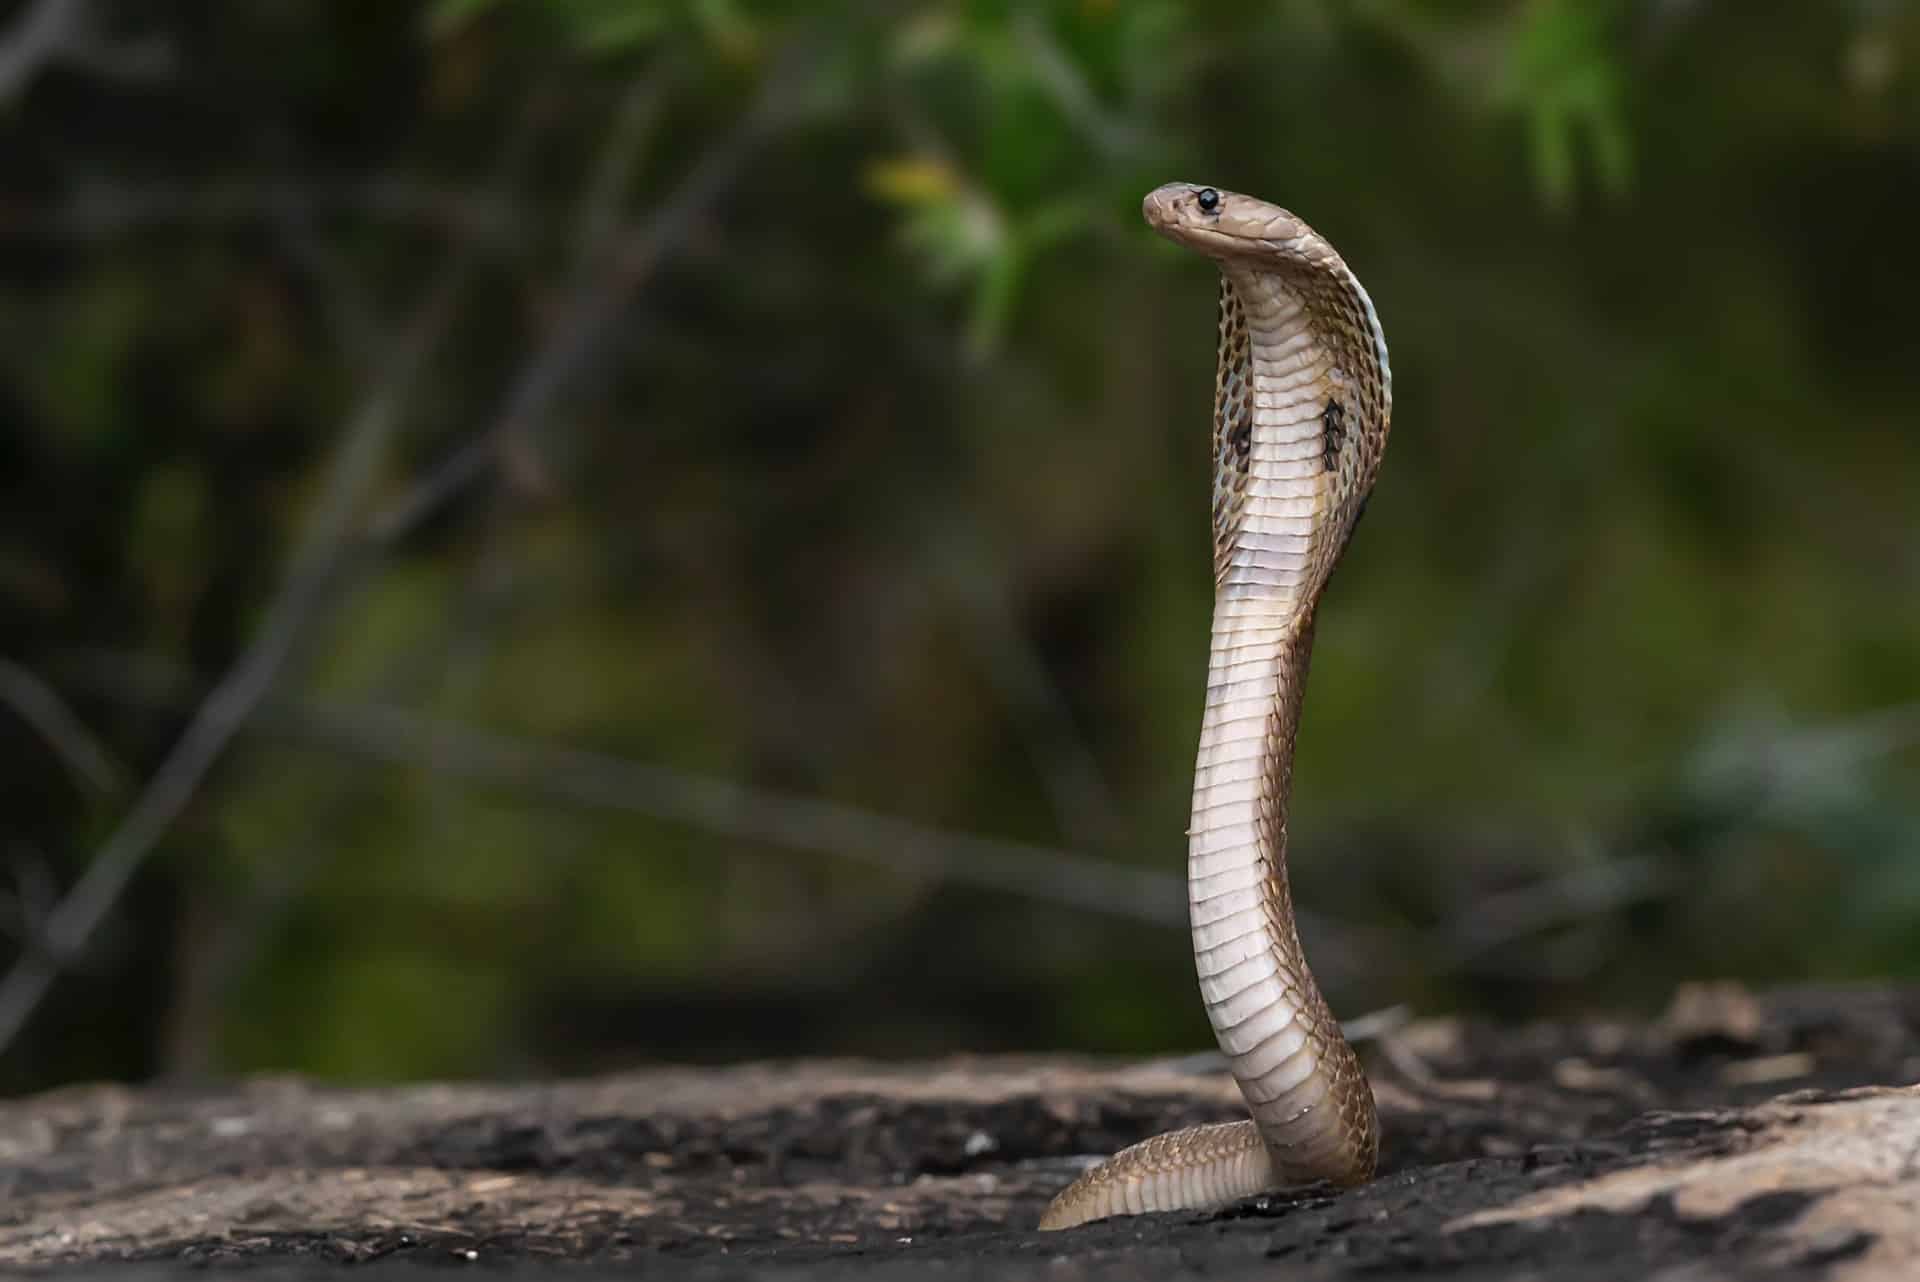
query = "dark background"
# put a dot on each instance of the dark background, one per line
(540, 537)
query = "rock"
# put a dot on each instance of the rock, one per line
(1558, 1150)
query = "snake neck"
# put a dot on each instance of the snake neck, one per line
(1280, 521)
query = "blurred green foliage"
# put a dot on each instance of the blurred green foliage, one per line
(887, 486)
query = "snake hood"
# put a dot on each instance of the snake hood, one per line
(1246, 234)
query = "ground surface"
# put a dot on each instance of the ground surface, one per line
(1734, 1138)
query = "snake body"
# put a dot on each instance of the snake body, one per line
(1302, 403)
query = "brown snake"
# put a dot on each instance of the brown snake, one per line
(1302, 401)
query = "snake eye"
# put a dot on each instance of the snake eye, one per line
(1208, 199)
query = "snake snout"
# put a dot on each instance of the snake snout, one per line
(1172, 203)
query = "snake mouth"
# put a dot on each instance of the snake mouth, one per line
(1235, 226)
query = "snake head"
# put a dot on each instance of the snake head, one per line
(1220, 224)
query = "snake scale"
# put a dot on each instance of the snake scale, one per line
(1302, 400)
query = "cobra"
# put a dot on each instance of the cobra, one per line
(1303, 397)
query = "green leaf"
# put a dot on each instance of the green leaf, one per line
(613, 28)
(446, 15)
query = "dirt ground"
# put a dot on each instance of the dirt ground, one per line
(1771, 1137)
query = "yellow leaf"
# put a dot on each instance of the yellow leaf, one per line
(912, 180)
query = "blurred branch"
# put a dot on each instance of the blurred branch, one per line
(735, 810)
(394, 736)
(73, 922)
(1758, 771)
(1065, 81)
(24, 909)
(310, 577)
(1083, 804)
(604, 288)
(488, 579)
(433, 491)
(599, 224)
(611, 267)
(41, 707)
(225, 946)
(1581, 895)
(97, 210)
(379, 732)
(52, 31)
(34, 41)
(345, 300)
